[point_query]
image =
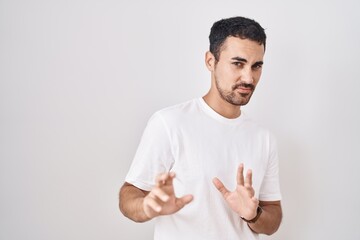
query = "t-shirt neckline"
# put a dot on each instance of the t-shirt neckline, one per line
(212, 113)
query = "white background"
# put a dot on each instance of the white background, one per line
(79, 80)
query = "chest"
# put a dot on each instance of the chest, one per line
(204, 152)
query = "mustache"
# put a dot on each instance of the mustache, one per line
(244, 85)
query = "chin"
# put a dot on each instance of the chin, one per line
(240, 102)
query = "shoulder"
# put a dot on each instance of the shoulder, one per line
(178, 111)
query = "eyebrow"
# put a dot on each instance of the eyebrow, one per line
(240, 59)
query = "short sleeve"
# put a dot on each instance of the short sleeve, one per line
(270, 187)
(153, 155)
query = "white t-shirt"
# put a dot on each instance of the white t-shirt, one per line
(198, 144)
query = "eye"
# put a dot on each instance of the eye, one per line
(238, 64)
(257, 66)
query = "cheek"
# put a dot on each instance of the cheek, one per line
(226, 76)
(257, 77)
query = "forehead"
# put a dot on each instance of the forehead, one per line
(245, 48)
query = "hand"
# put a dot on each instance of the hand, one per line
(161, 200)
(242, 200)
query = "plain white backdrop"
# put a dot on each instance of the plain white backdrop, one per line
(79, 80)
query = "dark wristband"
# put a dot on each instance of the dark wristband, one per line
(258, 213)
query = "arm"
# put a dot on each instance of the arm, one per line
(131, 202)
(245, 204)
(141, 206)
(270, 218)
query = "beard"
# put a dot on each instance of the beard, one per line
(233, 97)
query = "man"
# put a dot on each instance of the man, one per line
(207, 143)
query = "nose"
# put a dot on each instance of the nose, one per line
(247, 76)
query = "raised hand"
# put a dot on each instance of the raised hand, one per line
(242, 200)
(161, 200)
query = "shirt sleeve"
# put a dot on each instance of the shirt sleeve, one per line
(153, 156)
(270, 187)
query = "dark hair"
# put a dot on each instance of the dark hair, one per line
(241, 27)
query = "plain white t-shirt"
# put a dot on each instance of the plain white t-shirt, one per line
(198, 144)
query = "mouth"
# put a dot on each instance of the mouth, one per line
(243, 90)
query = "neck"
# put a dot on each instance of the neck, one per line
(221, 106)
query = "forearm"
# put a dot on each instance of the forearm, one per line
(131, 203)
(269, 220)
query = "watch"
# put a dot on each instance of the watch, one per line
(258, 213)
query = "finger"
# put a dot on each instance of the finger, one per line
(165, 179)
(170, 178)
(251, 191)
(255, 200)
(181, 202)
(248, 179)
(240, 175)
(160, 179)
(220, 186)
(160, 194)
(153, 204)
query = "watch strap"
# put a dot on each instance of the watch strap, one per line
(258, 213)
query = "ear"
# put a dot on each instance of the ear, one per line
(210, 61)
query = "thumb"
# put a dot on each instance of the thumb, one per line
(181, 202)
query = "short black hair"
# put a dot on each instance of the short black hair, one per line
(241, 27)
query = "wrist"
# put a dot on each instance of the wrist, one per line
(257, 216)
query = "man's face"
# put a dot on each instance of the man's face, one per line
(238, 70)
